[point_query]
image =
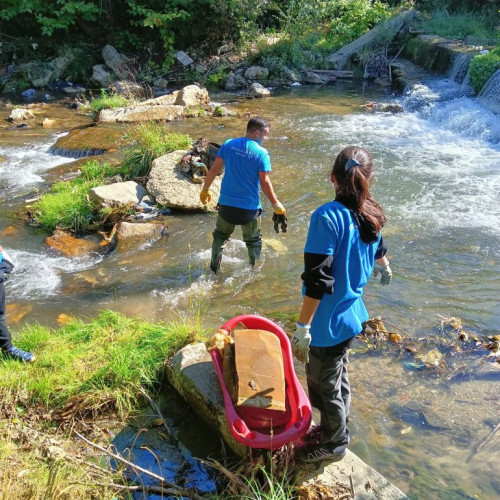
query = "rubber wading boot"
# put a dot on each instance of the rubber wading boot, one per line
(215, 264)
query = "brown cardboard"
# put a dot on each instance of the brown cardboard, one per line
(259, 370)
(229, 371)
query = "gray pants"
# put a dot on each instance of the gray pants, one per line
(330, 393)
(5, 337)
(223, 231)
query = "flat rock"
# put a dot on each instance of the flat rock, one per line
(118, 194)
(141, 113)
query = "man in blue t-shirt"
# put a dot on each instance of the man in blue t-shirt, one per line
(246, 167)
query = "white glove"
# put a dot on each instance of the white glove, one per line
(300, 342)
(385, 271)
(7, 258)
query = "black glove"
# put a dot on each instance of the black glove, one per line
(280, 219)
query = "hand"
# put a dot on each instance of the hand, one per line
(385, 271)
(279, 209)
(205, 196)
(300, 342)
(280, 220)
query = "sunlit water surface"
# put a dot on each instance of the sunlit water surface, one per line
(438, 179)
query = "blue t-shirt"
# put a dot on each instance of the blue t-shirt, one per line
(333, 231)
(243, 160)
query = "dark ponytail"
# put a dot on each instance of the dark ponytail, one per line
(353, 173)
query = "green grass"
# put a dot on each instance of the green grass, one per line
(100, 365)
(260, 484)
(108, 101)
(66, 204)
(478, 25)
(151, 140)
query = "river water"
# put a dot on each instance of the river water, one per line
(437, 168)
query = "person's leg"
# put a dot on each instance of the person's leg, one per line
(223, 231)
(253, 239)
(5, 336)
(329, 391)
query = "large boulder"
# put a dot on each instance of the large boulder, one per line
(256, 73)
(120, 195)
(101, 75)
(193, 96)
(173, 189)
(258, 91)
(119, 63)
(40, 76)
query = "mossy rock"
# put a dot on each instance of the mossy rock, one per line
(89, 141)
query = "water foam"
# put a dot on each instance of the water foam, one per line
(40, 275)
(25, 165)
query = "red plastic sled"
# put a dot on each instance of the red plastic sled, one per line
(258, 427)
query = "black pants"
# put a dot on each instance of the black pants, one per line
(330, 393)
(5, 337)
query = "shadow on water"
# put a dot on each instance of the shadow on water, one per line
(156, 444)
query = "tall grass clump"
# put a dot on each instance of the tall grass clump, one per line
(107, 101)
(66, 204)
(478, 25)
(151, 140)
(91, 367)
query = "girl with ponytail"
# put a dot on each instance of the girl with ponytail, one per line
(344, 246)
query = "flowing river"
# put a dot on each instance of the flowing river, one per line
(437, 168)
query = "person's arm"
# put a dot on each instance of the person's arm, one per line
(213, 172)
(308, 310)
(205, 196)
(383, 261)
(267, 187)
(382, 266)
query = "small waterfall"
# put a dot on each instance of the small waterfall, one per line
(489, 96)
(459, 67)
(75, 153)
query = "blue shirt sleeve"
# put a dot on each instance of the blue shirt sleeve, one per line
(322, 235)
(266, 162)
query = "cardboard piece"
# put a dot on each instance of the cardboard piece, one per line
(259, 370)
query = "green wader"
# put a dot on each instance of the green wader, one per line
(251, 236)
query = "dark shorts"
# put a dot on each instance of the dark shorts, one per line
(238, 216)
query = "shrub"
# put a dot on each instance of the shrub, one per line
(152, 140)
(483, 67)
